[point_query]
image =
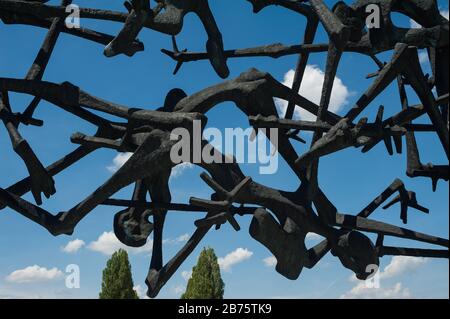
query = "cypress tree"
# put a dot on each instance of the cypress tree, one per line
(206, 281)
(117, 281)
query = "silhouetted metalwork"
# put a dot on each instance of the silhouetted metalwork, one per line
(281, 220)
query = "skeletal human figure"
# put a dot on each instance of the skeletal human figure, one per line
(149, 139)
(41, 181)
(167, 17)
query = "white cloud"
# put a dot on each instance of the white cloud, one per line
(180, 239)
(233, 258)
(399, 265)
(415, 25)
(313, 237)
(270, 261)
(186, 274)
(178, 290)
(140, 292)
(178, 170)
(360, 291)
(20, 295)
(423, 57)
(34, 274)
(311, 89)
(118, 161)
(12, 293)
(73, 246)
(107, 243)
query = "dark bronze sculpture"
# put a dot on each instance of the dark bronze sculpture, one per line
(281, 219)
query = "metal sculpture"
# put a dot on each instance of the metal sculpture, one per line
(281, 219)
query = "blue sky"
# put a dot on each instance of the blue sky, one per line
(143, 81)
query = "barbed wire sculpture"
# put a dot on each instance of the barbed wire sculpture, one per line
(280, 219)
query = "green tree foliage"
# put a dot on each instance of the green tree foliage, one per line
(117, 280)
(206, 281)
